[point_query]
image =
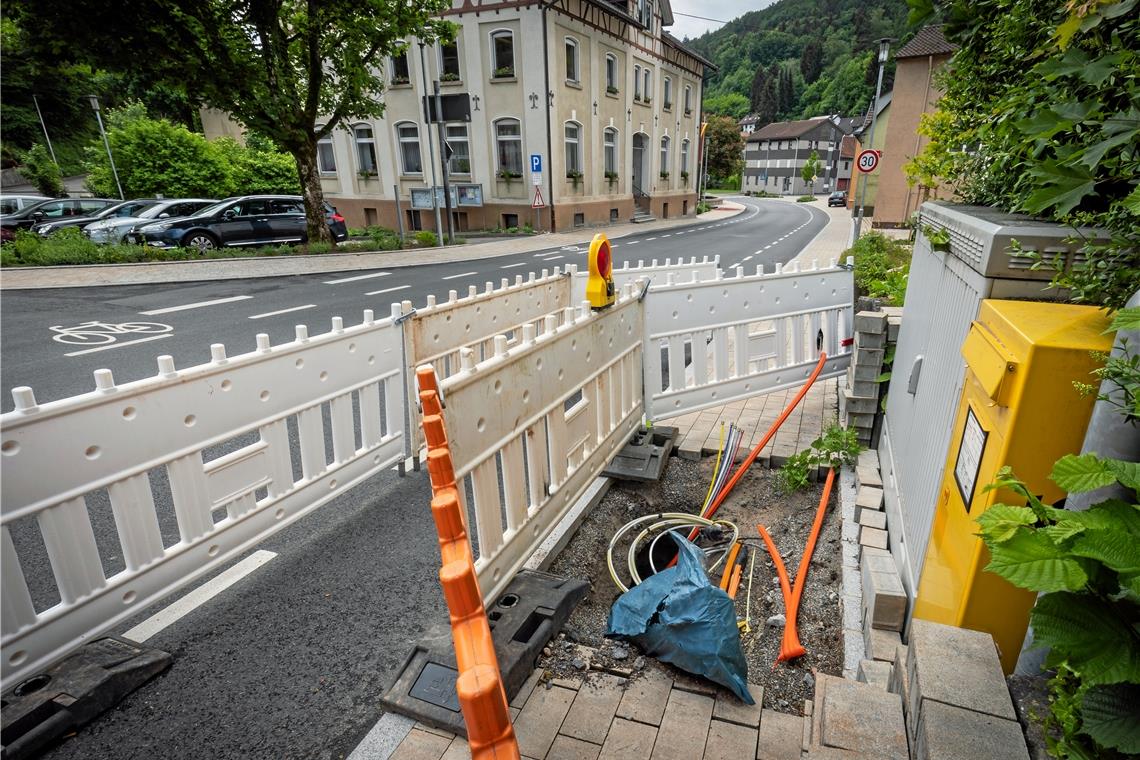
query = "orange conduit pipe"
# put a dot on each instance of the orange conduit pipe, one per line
(790, 646)
(482, 698)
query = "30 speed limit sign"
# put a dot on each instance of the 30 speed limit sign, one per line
(868, 160)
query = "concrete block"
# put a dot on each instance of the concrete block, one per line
(881, 645)
(645, 697)
(567, 748)
(868, 458)
(867, 371)
(538, 723)
(421, 745)
(860, 404)
(860, 421)
(898, 683)
(894, 327)
(884, 598)
(694, 684)
(854, 648)
(628, 738)
(871, 322)
(870, 340)
(684, 727)
(852, 609)
(779, 737)
(873, 519)
(869, 357)
(525, 690)
(730, 740)
(875, 673)
(593, 709)
(957, 667)
(729, 708)
(873, 537)
(954, 733)
(892, 312)
(457, 750)
(860, 717)
(868, 476)
(849, 531)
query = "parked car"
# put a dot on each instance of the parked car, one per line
(121, 209)
(114, 228)
(10, 204)
(838, 198)
(52, 208)
(248, 220)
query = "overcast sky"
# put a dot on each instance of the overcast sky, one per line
(721, 10)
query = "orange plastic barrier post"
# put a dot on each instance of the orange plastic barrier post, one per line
(490, 734)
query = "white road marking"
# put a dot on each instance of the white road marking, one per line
(283, 311)
(357, 277)
(457, 276)
(198, 305)
(196, 598)
(117, 345)
(746, 258)
(652, 238)
(548, 258)
(634, 242)
(387, 290)
(667, 234)
(512, 266)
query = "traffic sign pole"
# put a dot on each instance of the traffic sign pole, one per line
(884, 46)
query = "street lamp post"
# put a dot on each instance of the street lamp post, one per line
(884, 49)
(94, 100)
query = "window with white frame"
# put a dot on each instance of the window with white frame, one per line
(449, 62)
(668, 84)
(326, 156)
(408, 136)
(502, 53)
(365, 149)
(573, 142)
(685, 156)
(611, 74)
(459, 161)
(688, 100)
(400, 70)
(609, 152)
(647, 84)
(636, 82)
(665, 157)
(508, 147)
(572, 74)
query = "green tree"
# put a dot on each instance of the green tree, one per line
(292, 71)
(730, 104)
(43, 172)
(811, 61)
(810, 171)
(726, 150)
(764, 104)
(1045, 97)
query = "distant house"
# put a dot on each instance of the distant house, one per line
(774, 155)
(915, 93)
(749, 124)
(878, 141)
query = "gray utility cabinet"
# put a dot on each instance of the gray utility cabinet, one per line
(943, 295)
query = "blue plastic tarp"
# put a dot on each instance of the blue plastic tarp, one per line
(679, 617)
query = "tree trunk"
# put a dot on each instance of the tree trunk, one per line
(314, 195)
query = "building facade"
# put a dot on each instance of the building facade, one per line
(597, 88)
(775, 155)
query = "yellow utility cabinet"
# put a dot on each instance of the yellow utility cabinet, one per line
(1018, 408)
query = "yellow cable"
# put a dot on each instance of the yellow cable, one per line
(719, 451)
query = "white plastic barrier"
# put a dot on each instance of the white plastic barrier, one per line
(273, 407)
(655, 272)
(517, 420)
(744, 335)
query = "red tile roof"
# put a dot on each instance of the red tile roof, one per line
(928, 41)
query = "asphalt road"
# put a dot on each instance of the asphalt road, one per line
(291, 660)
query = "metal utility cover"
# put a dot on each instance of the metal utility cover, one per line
(645, 456)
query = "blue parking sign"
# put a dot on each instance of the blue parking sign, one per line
(536, 163)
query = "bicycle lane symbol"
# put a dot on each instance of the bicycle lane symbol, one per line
(100, 336)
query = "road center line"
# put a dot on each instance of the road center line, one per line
(512, 266)
(387, 290)
(198, 305)
(117, 345)
(196, 598)
(357, 277)
(457, 276)
(548, 258)
(283, 311)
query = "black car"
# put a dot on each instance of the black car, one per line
(121, 209)
(52, 209)
(838, 198)
(249, 220)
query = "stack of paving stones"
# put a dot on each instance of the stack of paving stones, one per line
(861, 396)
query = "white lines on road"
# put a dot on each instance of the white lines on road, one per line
(198, 305)
(512, 266)
(634, 242)
(457, 276)
(116, 345)
(649, 239)
(283, 311)
(746, 258)
(168, 616)
(357, 277)
(387, 290)
(551, 258)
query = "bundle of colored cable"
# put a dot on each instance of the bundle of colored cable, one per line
(723, 467)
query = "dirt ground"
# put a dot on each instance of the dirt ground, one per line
(755, 499)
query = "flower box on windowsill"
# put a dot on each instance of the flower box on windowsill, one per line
(688, 112)
(612, 91)
(448, 78)
(401, 82)
(503, 74)
(668, 105)
(663, 175)
(366, 175)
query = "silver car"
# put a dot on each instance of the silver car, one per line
(10, 204)
(115, 229)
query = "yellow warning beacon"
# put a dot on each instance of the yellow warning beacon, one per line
(600, 285)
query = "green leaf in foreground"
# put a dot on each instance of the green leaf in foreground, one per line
(1031, 560)
(1090, 635)
(1109, 715)
(1000, 522)
(1077, 474)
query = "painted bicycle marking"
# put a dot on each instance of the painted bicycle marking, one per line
(98, 333)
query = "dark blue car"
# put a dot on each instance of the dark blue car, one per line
(248, 220)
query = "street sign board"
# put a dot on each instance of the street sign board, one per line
(536, 178)
(536, 163)
(868, 160)
(538, 202)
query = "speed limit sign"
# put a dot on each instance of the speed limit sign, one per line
(868, 160)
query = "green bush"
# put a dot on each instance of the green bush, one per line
(702, 207)
(881, 267)
(837, 446)
(426, 238)
(39, 169)
(805, 199)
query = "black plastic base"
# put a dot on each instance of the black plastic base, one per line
(46, 706)
(644, 458)
(523, 620)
